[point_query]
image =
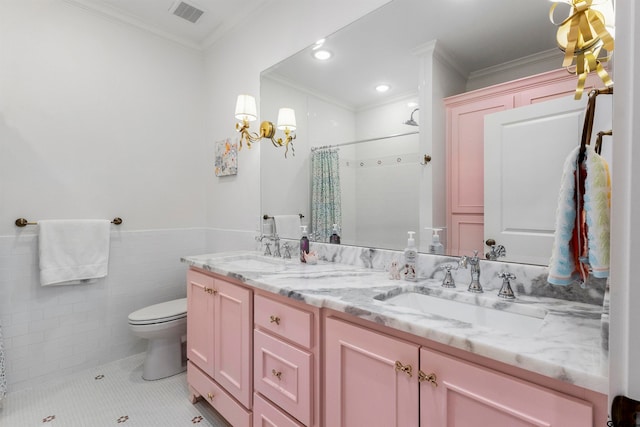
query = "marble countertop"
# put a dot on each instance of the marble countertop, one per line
(566, 346)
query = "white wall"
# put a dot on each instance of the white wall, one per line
(97, 120)
(387, 193)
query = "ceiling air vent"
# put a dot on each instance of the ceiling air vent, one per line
(186, 11)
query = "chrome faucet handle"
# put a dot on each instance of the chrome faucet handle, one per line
(287, 250)
(495, 251)
(448, 281)
(505, 291)
(267, 248)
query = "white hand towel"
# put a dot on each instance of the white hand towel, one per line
(288, 226)
(73, 251)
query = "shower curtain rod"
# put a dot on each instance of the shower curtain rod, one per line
(364, 140)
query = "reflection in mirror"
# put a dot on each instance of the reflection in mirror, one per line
(425, 52)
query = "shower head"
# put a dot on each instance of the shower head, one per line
(411, 121)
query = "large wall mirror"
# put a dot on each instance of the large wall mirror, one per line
(424, 51)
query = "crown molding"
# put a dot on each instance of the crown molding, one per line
(547, 55)
(120, 17)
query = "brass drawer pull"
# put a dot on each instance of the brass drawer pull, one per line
(274, 319)
(407, 369)
(210, 396)
(210, 291)
(432, 378)
(277, 374)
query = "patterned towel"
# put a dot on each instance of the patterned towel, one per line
(582, 220)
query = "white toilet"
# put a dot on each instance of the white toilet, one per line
(163, 325)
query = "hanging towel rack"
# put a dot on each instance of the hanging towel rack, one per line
(588, 118)
(22, 222)
(598, 146)
(265, 216)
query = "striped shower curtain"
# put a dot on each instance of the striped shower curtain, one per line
(326, 206)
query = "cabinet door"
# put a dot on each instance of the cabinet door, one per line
(363, 386)
(232, 334)
(200, 320)
(469, 395)
(531, 141)
(466, 151)
(467, 232)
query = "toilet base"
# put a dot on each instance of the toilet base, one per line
(163, 358)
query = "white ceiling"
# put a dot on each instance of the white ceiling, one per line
(219, 16)
(377, 48)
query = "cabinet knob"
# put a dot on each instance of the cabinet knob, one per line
(431, 378)
(210, 396)
(407, 369)
(210, 291)
(277, 374)
(274, 319)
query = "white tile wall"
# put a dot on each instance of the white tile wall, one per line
(52, 331)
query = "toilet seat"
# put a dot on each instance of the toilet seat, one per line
(160, 313)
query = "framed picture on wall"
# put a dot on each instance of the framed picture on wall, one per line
(226, 162)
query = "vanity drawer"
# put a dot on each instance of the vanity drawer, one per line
(215, 395)
(288, 322)
(283, 373)
(267, 415)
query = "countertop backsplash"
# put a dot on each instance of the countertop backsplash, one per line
(530, 279)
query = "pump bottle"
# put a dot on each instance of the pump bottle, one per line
(304, 243)
(335, 238)
(410, 257)
(436, 247)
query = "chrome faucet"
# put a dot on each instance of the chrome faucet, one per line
(474, 263)
(276, 248)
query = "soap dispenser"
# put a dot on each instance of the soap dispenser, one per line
(335, 238)
(435, 247)
(304, 243)
(410, 257)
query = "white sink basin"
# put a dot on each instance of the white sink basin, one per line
(521, 324)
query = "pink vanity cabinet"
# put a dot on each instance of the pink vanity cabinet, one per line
(370, 378)
(376, 376)
(464, 394)
(219, 345)
(465, 147)
(286, 362)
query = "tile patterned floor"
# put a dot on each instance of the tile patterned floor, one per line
(110, 395)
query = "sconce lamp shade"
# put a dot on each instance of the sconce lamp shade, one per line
(246, 108)
(287, 119)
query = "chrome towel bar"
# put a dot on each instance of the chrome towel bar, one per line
(22, 222)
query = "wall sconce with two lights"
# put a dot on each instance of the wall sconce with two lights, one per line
(247, 112)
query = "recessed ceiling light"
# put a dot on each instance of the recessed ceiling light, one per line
(412, 104)
(383, 88)
(322, 55)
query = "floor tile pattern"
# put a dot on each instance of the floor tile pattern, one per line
(110, 395)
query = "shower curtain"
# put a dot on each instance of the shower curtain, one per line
(326, 208)
(3, 380)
